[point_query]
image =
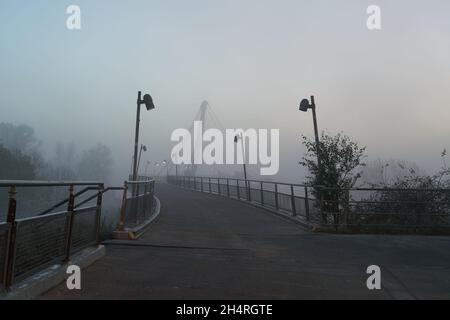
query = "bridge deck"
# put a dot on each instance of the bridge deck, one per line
(208, 247)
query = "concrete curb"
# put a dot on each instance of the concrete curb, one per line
(52, 276)
(136, 232)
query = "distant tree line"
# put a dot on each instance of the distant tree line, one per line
(22, 158)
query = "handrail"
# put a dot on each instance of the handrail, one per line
(320, 187)
(31, 183)
(59, 204)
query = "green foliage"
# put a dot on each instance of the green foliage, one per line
(340, 158)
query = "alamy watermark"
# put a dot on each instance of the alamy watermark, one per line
(235, 144)
(374, 280)
(73, 22)
(74, 280)
(374, 19)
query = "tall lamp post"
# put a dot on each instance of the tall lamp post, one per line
(148, 101)
(304, 106)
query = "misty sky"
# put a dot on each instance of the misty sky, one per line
(252, 60)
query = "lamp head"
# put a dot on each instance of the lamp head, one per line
(148, 101)
(304, 105)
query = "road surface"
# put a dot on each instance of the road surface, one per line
(208, 247)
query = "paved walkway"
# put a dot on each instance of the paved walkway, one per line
(209, 247)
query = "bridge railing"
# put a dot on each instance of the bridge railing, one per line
(33, 243)
(138, 203)
(293, 199)
(357, 209)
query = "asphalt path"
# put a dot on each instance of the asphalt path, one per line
(209, 247)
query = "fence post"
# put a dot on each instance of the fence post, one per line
(99, 213)
(123, 208)
(306, 204)
(276, 197)
(11, 253)
(294, 211)
(262, 194)
(218, 186)
(71, 211)
(152, 194)
(146, 191)
(201, 184)
(249, 196)
(210, 190)
(238, 191)
(228, 187)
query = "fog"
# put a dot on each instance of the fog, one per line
(253, 62)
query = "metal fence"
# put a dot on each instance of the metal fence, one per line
(381, 210)
(28, 245)
(138, 203)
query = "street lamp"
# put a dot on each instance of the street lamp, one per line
(148, 101)
(304, 106)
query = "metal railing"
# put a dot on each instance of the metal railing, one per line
(355, 210)
(138, 203)
(293, 199)
(28, 245)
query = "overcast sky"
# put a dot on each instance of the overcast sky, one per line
(252, 60)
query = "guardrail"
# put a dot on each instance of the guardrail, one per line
(381, 210)
(28, 245)
(137, 204)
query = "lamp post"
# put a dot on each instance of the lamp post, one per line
(304, 106)
(148, 101)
